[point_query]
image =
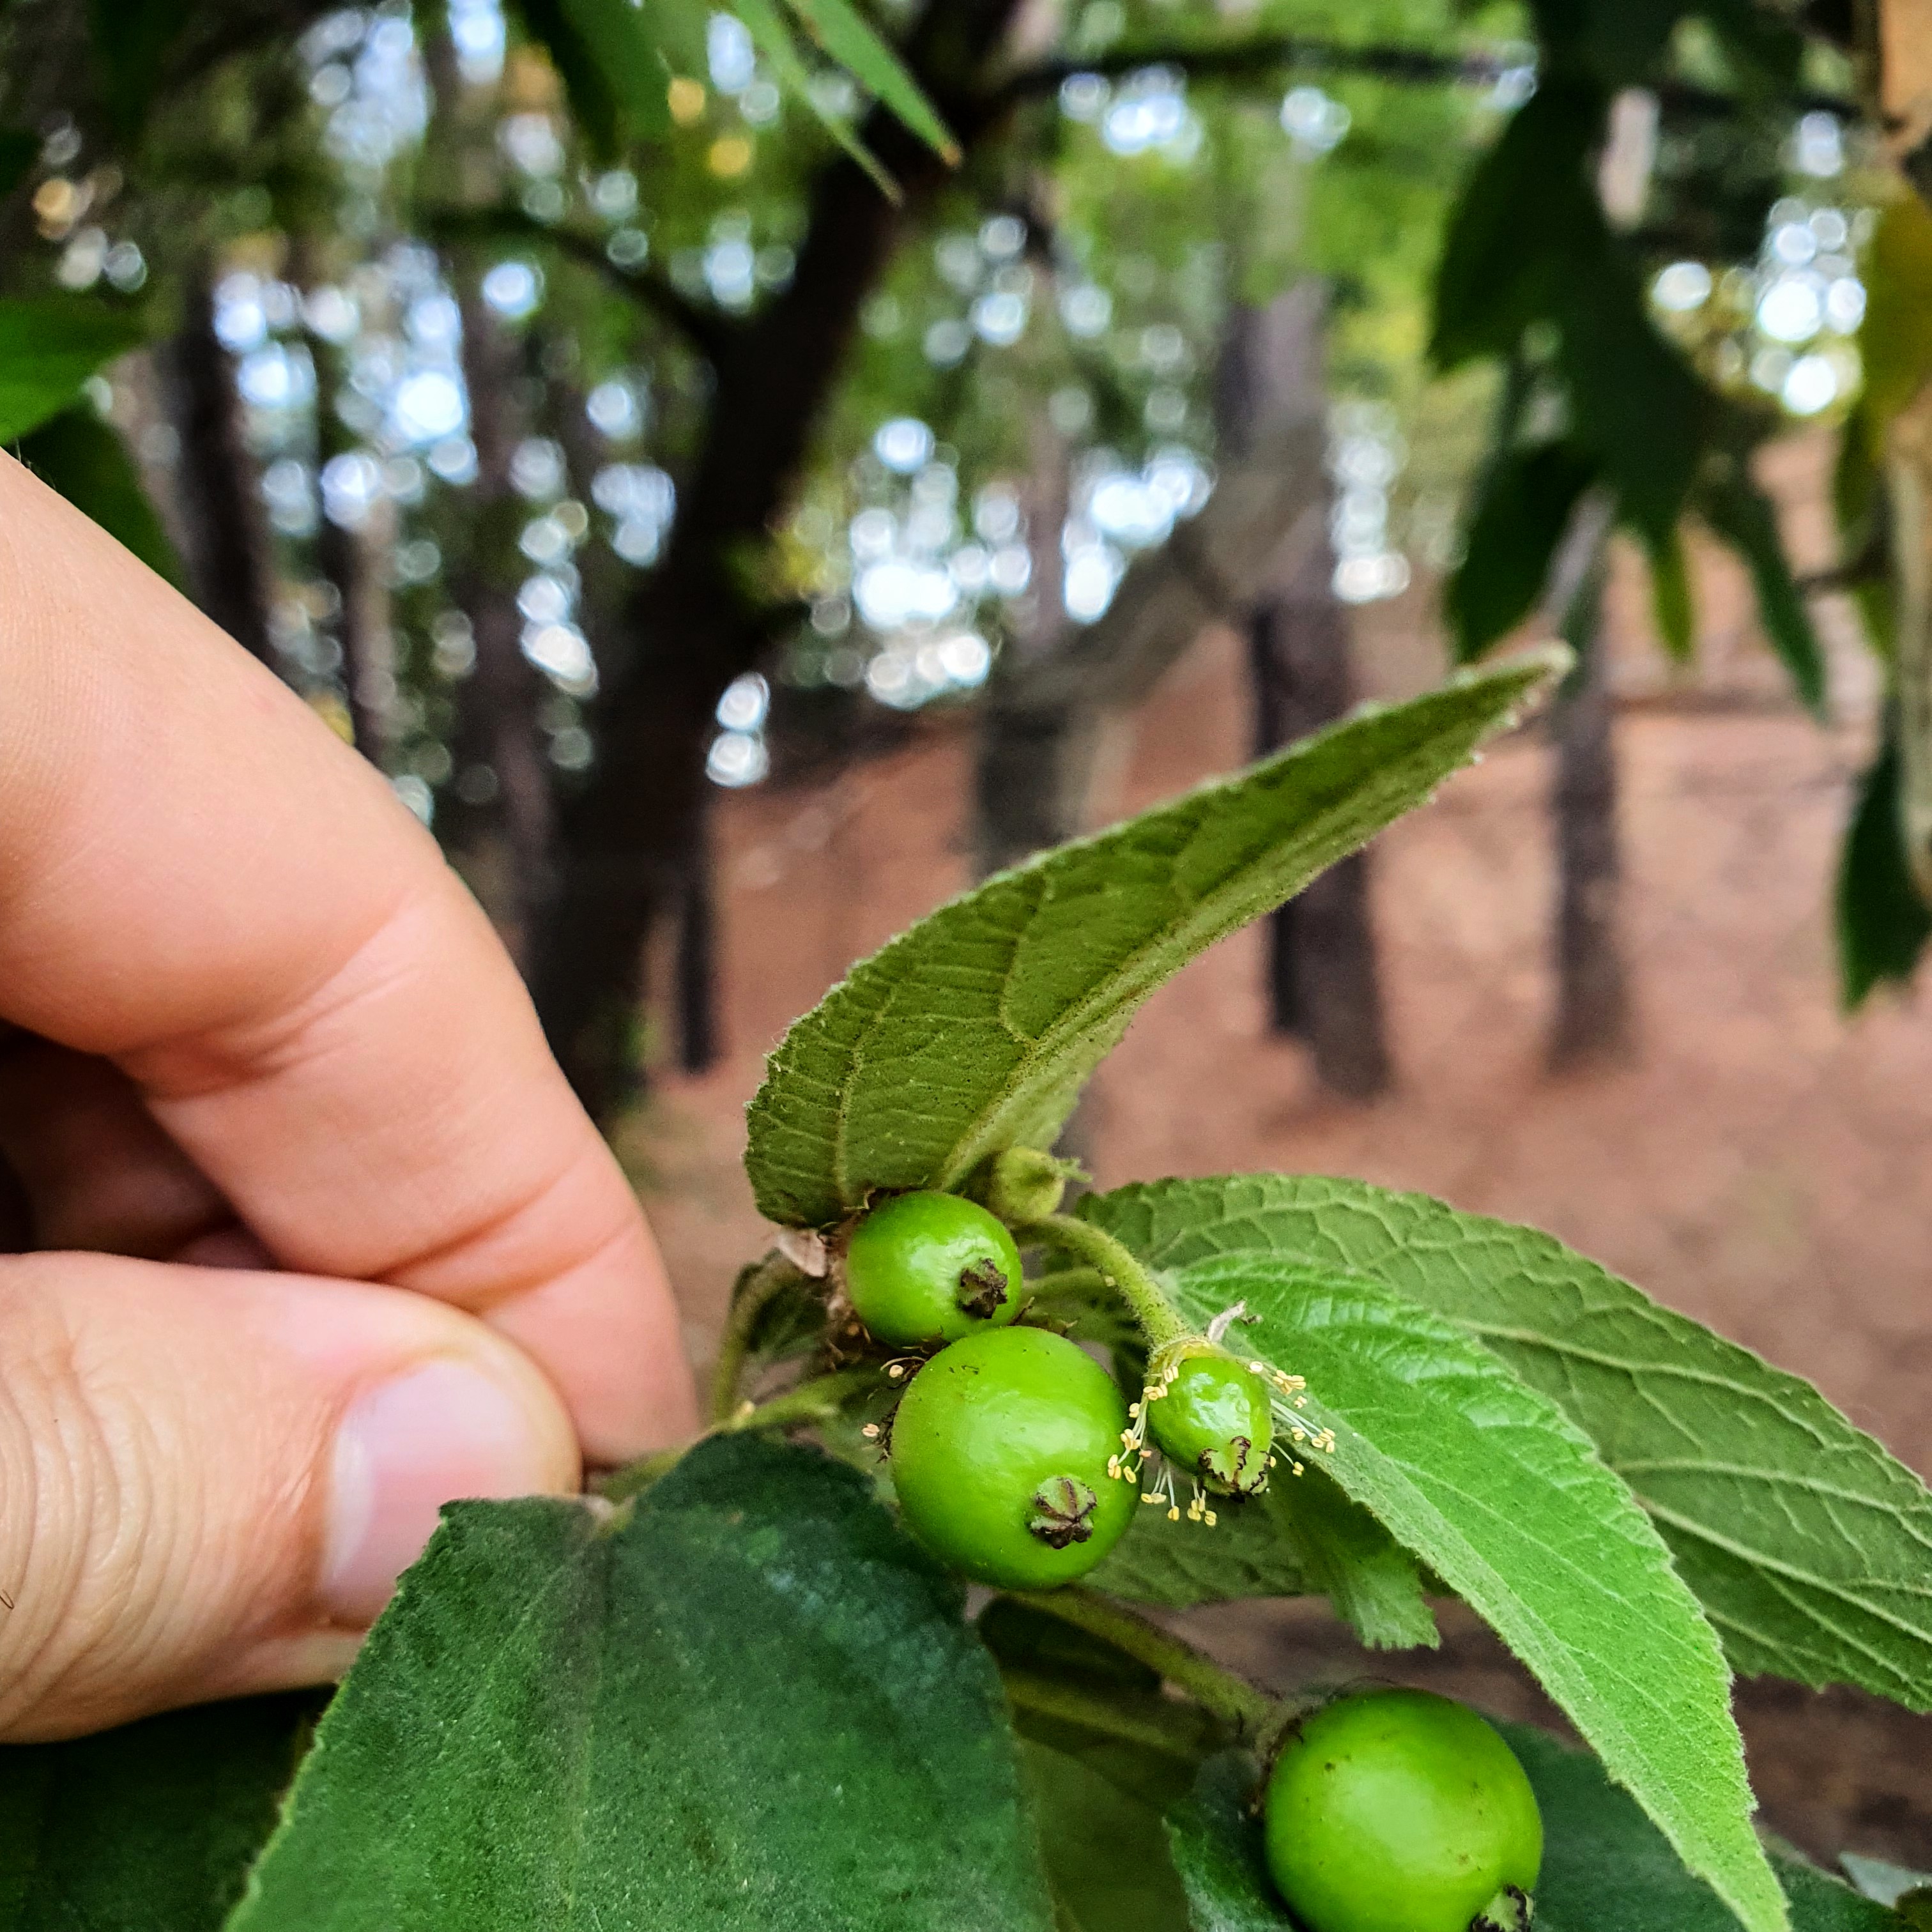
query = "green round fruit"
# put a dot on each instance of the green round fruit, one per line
(1000, 1452)
(1401, 1811)
(931, 1267)
(1210, 1415)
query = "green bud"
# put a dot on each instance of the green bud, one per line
(1022, 1184)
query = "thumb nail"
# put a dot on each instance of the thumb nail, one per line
(443, 1429)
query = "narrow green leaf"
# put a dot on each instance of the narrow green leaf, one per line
(1521, 513)
(18, 152)
(1487, 1482)
(80, 456)
(1634, 402)
(1809, 1547)
(1882, 924)
(1529, 208)
(49, 345)
(773, 38)
(1740, 512)
(1606, 1868)
(152, 1826)
(1670, 594)
(747, 1700)
(976, 1030)
(845, 34)
(604, 54)
(1303, 1538)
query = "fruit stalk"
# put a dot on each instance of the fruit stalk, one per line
(1160, 1322)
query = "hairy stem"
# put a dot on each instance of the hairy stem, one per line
(1214, 1688)
(757, 1288)
(1054, 1697)
(1118, 1270)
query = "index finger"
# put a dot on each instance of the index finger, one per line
(200, 881)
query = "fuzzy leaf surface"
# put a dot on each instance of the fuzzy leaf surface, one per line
(152, 1826)
(1606, 1867)
(975, 1030)
(1490, 1486)
(747, 1701)
(1809, 1547)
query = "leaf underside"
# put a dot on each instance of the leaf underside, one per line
(1809, 1547)
(1488, 1484)
(748, 1701)
(975, 1030)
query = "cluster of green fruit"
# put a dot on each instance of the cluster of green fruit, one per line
(1016, 1458)
(1017, 1461)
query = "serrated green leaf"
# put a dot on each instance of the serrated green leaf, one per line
(151, 1826)
(976, 1030)
(49, 345)
(1521, 513)
(1487, 1482)
(1810, 1547)
(1606, 1868)
(747, 1701)
(1882, 924)
(78, 454)
(1299, 1538)
(1737, 511)
(845, 34)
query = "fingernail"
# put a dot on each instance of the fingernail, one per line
(404, 1449)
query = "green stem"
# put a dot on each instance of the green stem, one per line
(1078, 1282)
(817, 1400)
(1215, 1689)
(1160, 1322)
(1053, 1697)
(757, 1288)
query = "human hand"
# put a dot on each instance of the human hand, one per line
(320, 1237)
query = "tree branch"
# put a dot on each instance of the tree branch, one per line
(708, 331)
(1266, 54)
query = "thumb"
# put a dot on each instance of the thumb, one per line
(210, 1479)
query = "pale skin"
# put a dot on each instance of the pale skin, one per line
(310, 1233)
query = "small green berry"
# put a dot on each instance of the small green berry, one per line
(930, 1267)
(1000, 1456)
(1211, 1415)
(1401, 1811)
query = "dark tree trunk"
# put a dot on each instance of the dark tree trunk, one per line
(699, 1034)
(1593, 1011)
(626, 834)
(1322, 982)
(497, 731)
(228, 559)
